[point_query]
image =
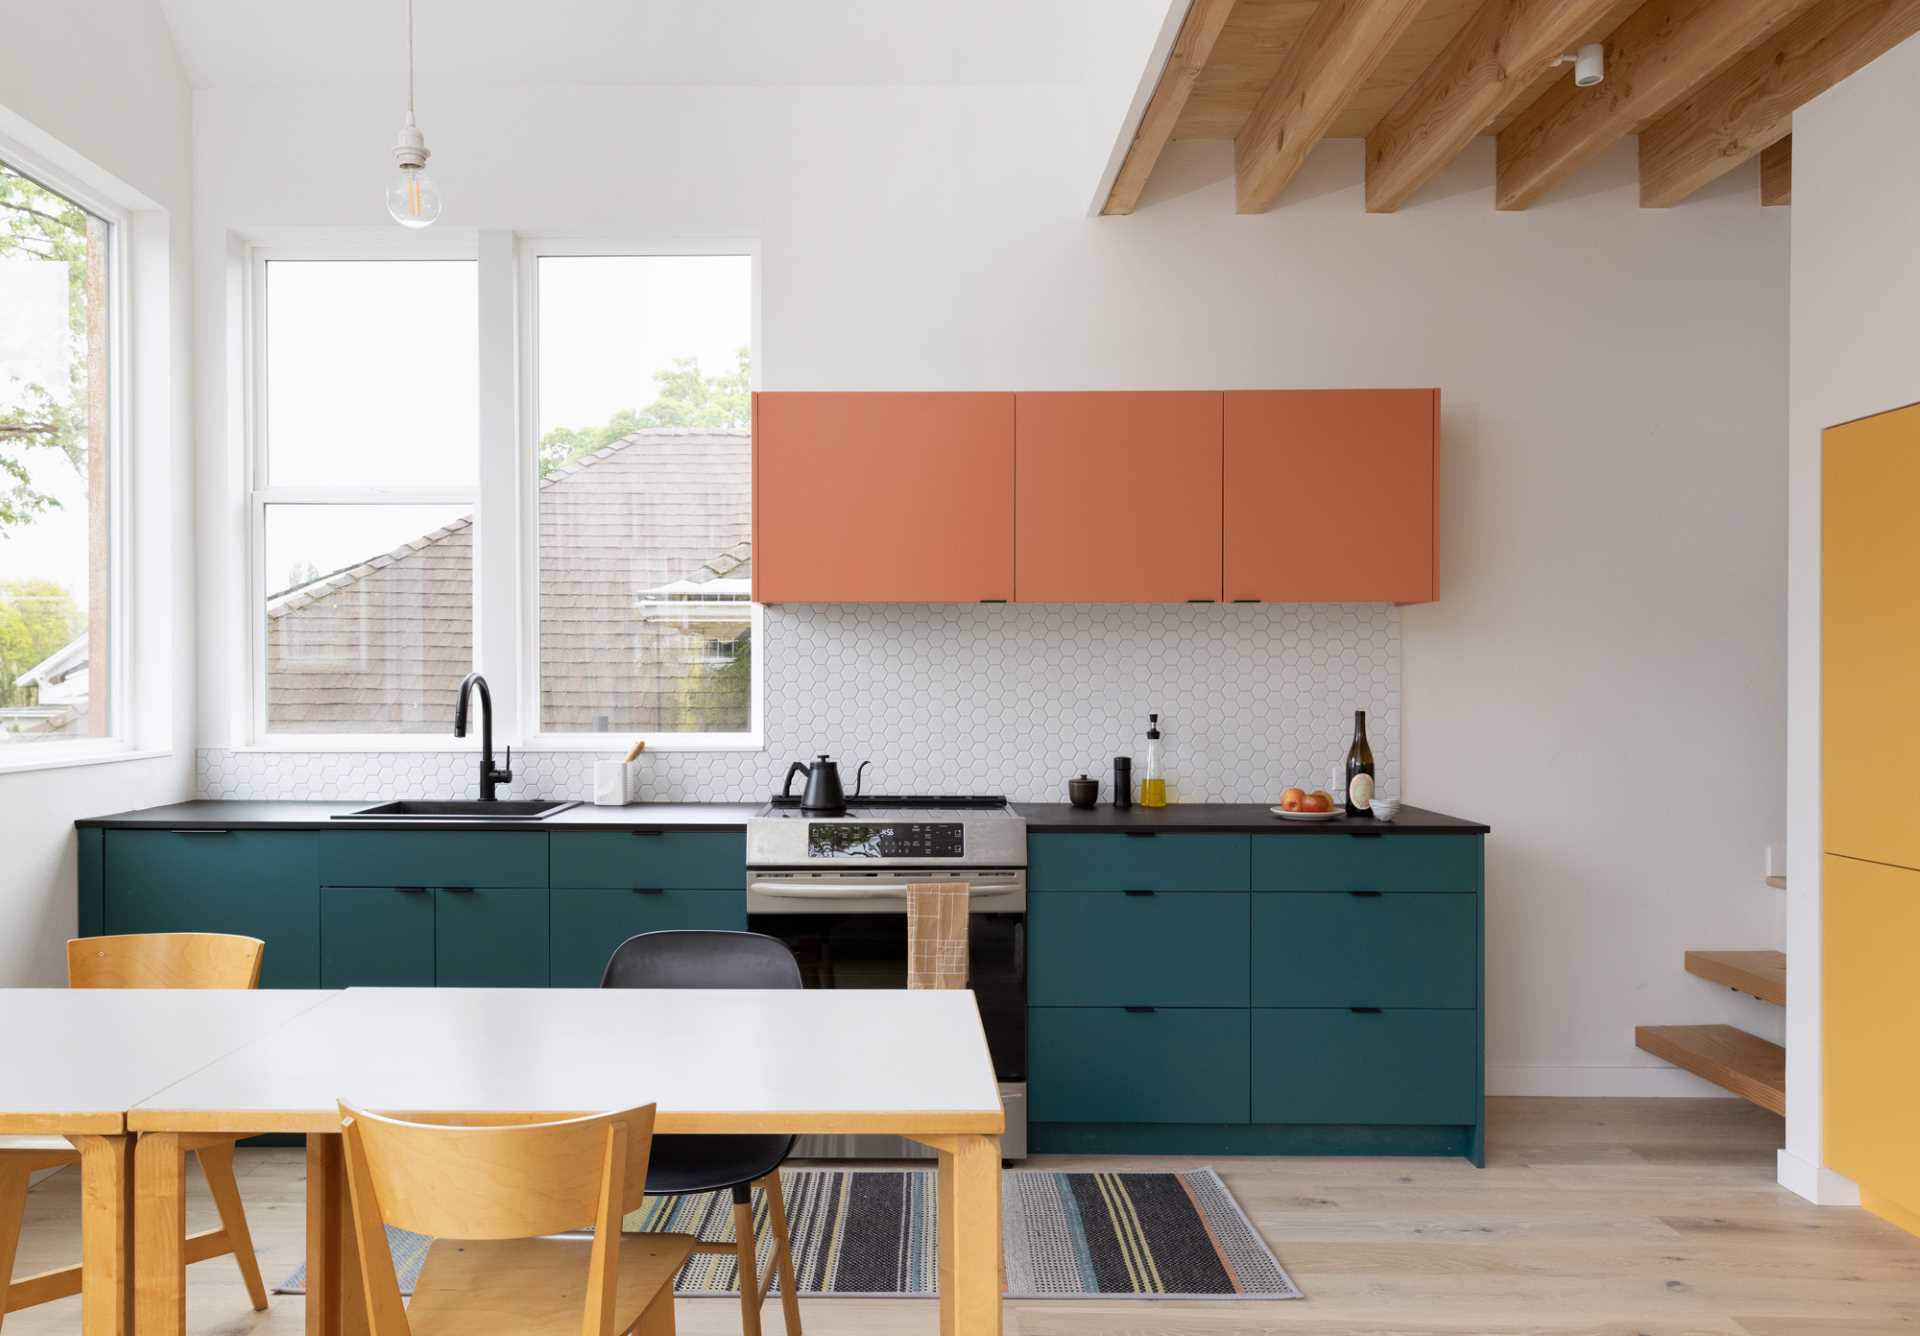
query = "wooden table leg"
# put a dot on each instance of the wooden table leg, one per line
(335, 1302)
(106, 1234)
(970, 1288)
(160, 1235)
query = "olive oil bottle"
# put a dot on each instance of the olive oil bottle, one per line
(1359, 769)
(1153, 780)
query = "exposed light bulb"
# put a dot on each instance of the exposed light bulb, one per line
(413, 198)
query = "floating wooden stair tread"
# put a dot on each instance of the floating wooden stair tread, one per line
(1744, 1063)
(1761, 974)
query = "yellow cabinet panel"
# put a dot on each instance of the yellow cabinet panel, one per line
(1871, 1019)
(1870, 606)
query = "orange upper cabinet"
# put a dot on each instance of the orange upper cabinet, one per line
(882, 498)
(1870, 637)
(1118, 497)
(1330, 496)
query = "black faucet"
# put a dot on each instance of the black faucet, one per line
(489, 776)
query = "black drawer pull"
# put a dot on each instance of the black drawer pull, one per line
(1141, 834)
(1363, 834)
(1202, 600)
(412, 890)
(1364, 1011)
(459, 890)
(1246, 600)
(655, 830)
(1141, 1011)
(1365, 895)
(199, 830)
(1136, 892)
(649, 890)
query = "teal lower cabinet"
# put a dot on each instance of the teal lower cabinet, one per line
(376, 937)
(589, 923)
(1221, 994)
(490, 936)
(257, 883)
(1137, 1064)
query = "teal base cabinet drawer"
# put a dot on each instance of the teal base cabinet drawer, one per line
(376, 937)
(589, 923)
(1328, 1066)
(433, 858)
(490, 937)
(1120, 949)
(1143, 861)
(256, 883)
(1366, 862)
(1346, 949)
(625, 859)
(1109, 1065)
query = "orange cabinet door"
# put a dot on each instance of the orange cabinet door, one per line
(1870, 637)
(1330, 496)
(882, 498)
(1870, 1019)
(1117, 497)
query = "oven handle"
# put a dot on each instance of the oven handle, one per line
(818, 890)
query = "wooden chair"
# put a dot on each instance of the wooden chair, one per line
(700, 958)
(143, 960)
(487, 1195)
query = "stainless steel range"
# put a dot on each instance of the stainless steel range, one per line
(834, 888)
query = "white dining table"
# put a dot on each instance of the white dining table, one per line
(74, 1061)
(912, 1064)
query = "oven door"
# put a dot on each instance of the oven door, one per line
(849, 930)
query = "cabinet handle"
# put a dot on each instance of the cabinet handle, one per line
(1363, 834)
(1203, 600)
(653, 831)
(1246, 600)
(1136, 892)
(412, 890)
(1140, 834)
(1365, 895)
(1141, 1011)
(993, 600)
(458, 890)
(649, 890)
(1364, 1011)
(199, 830)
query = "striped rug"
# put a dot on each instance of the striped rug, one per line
(871, 1233)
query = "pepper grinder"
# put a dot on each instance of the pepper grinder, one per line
(1123, 781)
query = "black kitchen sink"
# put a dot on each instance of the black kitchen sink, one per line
(531, 809)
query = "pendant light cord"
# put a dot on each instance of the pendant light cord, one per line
(409, 60)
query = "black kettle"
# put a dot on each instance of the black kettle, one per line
(823, 795)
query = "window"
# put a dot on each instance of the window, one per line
(366, 476)
(643, 585)
(58, 404)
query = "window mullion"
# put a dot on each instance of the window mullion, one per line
(496, 565)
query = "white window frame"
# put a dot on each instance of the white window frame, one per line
(531, 250)
(123, 730)
(261, 493)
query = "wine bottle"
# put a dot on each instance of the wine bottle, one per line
(1359, 769)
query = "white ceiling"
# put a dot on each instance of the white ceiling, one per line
(250, 42)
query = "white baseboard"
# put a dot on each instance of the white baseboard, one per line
(1612, 1082)
(1817, 1184)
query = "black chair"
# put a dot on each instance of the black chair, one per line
(685, 1164)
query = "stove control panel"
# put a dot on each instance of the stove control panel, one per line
(901, 839)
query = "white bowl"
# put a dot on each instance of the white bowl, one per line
(1386, 809)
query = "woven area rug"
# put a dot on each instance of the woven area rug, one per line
(871, 1233)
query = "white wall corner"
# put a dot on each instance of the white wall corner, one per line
(1816, 1183)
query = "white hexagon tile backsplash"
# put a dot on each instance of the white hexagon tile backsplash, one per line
(964, 698)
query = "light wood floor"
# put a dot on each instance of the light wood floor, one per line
(1599, 1217)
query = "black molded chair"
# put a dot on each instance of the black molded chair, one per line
(685, 1164)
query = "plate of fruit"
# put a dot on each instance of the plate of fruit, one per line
(1300, 805)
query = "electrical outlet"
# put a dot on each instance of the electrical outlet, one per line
(1776, 861)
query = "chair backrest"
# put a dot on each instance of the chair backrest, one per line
(165, 960)
(697, 958)
(456, 1181)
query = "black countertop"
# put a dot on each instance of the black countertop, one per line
(319, 816)
(1056, 818)
(1042, 818)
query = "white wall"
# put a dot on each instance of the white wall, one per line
(1856, 351)
(96, 88)
(1603, 677)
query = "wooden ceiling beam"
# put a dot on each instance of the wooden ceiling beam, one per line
(1342, 46)
(1663, 51)
(1191, 49)
(1488, 65)
(1750, 104)
(1776, 172)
